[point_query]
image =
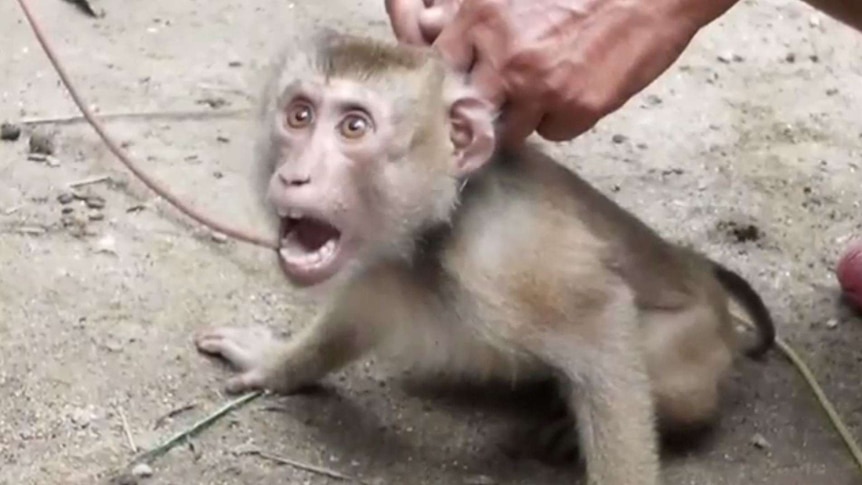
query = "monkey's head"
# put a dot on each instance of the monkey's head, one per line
(366, 144)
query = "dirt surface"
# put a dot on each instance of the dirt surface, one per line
(749, 148)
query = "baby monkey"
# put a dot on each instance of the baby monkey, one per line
(382, 170)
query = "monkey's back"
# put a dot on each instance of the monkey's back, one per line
(534, 219)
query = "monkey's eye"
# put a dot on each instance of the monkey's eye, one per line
(299, 115)
(354, 126)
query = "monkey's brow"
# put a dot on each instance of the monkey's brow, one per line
(333, 92)
(345, 105)
(317, 89)
(349, 99)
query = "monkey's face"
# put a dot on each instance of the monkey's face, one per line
(359, 167)
(327, 140)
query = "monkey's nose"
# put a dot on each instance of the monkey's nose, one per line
(293, 180)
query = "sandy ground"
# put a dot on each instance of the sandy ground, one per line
(749, 148)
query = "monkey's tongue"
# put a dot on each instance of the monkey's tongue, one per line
(312, 234)
(308, 249)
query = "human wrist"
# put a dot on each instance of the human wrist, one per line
(677, 21)
(647, 37)
(694, 14)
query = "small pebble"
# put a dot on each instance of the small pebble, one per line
(218, 174)
(480, 480)
(124, 479)
(213, 102)
(42, 142)
(95, 202)
(9, 132)
(222, 139)
(142, 470)
(759, 441)
(219, 237)
(37, 157)
(96, 215)
(653, 99)
(725, 58)
(107, 244)
(73, 220)
(618, 138)
(67, 220)
(790, 57)
(832, 323)
(81, 417)
(68, 210)
(65, 198)
(32, 230)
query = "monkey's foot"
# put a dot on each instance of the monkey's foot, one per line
(243, 348)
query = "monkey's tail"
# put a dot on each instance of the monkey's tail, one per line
(760, 318)
(750, 300)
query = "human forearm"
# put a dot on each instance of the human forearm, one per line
(846, 11)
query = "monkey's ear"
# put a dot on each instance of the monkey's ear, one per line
(472, 132)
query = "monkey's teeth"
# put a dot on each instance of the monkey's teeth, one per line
(296, 256)
(282, 212)
(322, 254)
(327, 249)
(295, 214)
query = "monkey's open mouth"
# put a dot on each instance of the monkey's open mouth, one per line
(309, 247)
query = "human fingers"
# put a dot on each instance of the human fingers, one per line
(404, 18)
(455, 43)
(520, 118)
(566, 124)
(432, 20)
(488, 83)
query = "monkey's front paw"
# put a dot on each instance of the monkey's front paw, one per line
(243, 348)
(252, 380)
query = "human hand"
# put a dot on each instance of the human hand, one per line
(555, 66)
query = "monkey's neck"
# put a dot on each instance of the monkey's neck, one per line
(430, 243)
(432, 240)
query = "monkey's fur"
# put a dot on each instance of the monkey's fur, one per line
(515, 268)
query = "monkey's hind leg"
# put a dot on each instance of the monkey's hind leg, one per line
(688, 353)
(606, 385)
